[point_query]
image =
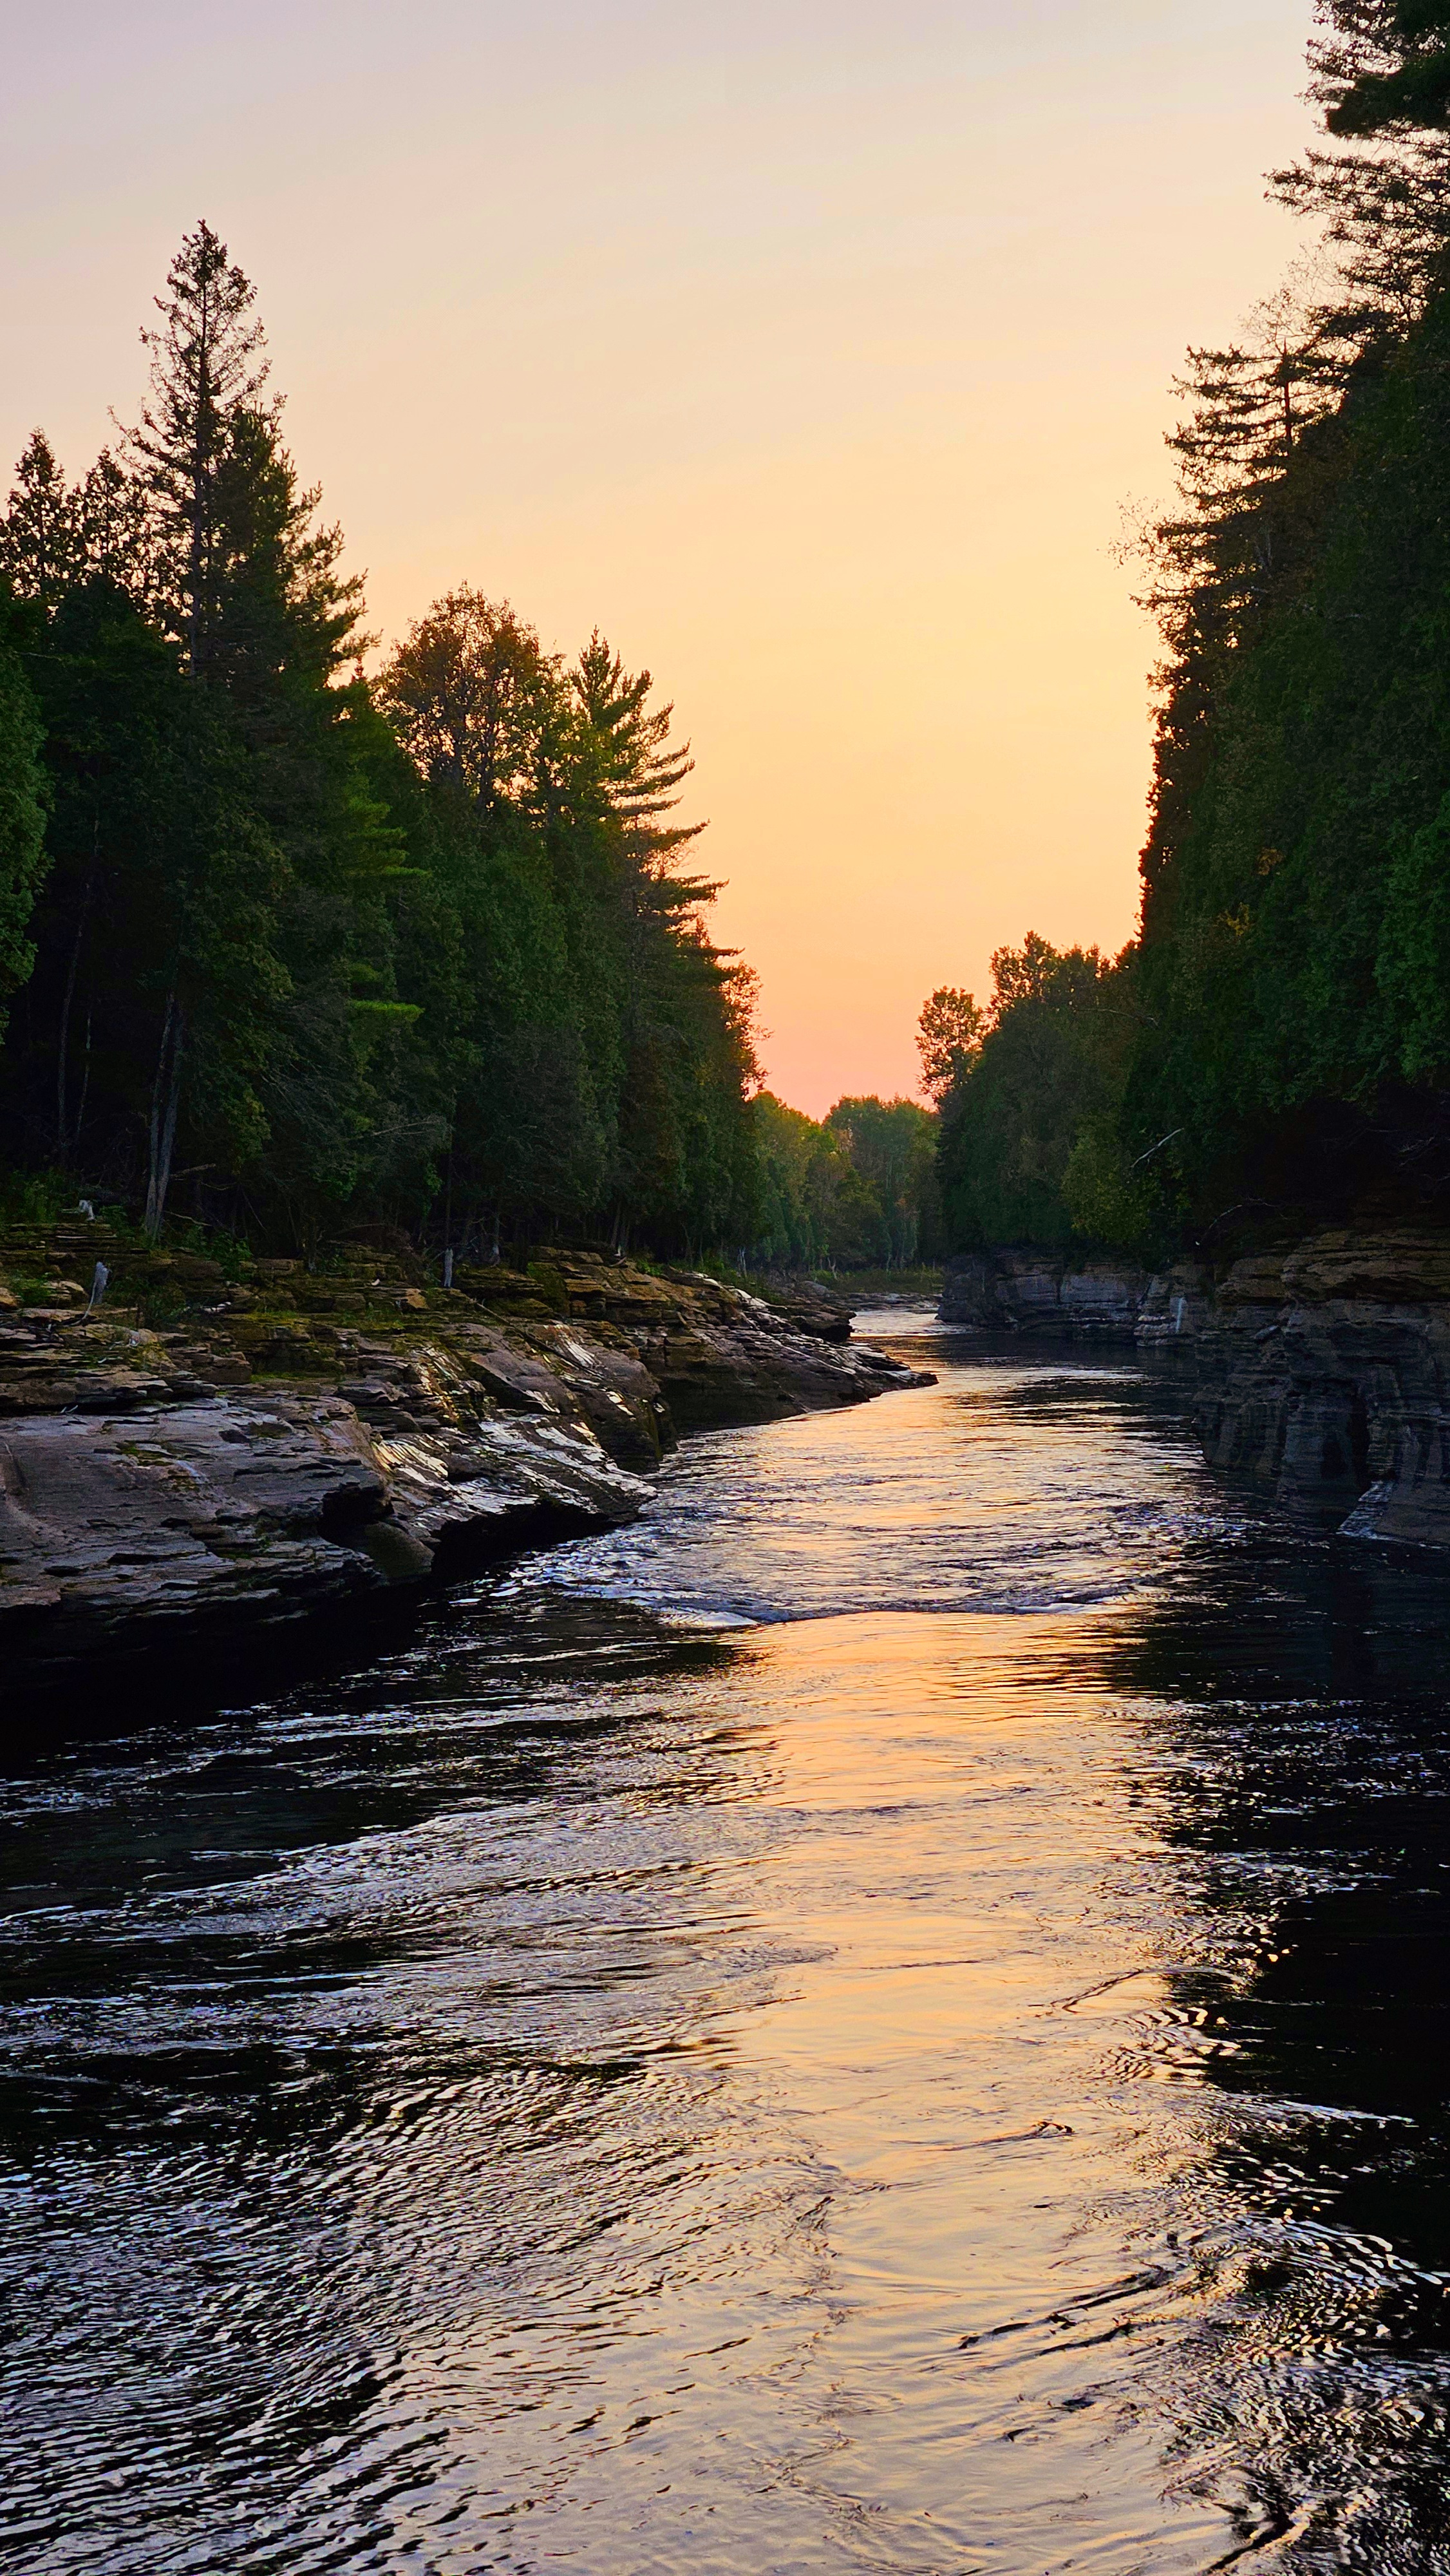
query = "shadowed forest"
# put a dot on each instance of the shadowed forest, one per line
(303, 954)
(1274, 1047)
(304, 948)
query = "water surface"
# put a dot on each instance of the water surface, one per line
(889, 2018)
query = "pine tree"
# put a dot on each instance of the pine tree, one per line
(1380, 75)
(207, 367)
(41, 549)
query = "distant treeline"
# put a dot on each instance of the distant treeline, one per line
(856, 1191)
(1274, 1047)
(293, 952)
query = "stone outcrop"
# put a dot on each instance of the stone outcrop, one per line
(1047, 1297)
(1324, 1373)
(1175, 1310)
(222, 1522)
(206, 1459)
(1322, 1368)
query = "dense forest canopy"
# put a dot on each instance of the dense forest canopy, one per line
(1275, 1045)
(299, 952)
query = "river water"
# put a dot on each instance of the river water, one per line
(891, 2017)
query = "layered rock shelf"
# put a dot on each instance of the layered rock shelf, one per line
(1322, 1368)
(205, 1458)
(1324, 1373)
(1049, 1298)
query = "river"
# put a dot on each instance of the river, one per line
(890, 2017)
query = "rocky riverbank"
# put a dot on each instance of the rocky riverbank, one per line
(206, 1461)
(1324, 1373)
(1322, 1369)
(1044, 1295)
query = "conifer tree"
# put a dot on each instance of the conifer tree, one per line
(207, 366)
(22, 811)
(40, 534)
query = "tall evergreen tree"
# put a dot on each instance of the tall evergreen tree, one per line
(40, 534)
(207, 366)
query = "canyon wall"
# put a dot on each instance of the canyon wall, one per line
(1322, 1370)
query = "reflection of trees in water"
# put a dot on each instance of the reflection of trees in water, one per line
(1302, 1747)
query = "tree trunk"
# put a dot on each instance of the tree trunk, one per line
(85, 1087)
(165, 1103)
(62, 1136)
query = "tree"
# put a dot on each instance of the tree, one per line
(949, 1032)
(1013, 1118)
(55, 535)
(891, 1145)
(322, 945)
(1380, 73)
(155, 999)
(1389, 68)
(22, 811)
(40, 535)
(207, 367)
(470, 694)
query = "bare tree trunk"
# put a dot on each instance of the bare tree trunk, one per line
(85, 1086)
(62, 1136)
(165, 1103)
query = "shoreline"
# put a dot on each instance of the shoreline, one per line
(1320, 1369)
(255, 1476)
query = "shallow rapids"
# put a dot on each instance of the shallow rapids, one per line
(891, 2017)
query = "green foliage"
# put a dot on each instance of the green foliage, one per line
(949, 1033)
(35, 1198)
(420, 954)
(1032, 1146)
(854, 1191)
(892, 1148)
(22, 811)
(1296, 927)
(1279, 1037)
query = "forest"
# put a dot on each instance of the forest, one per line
(304, 945)
(1274, 1046)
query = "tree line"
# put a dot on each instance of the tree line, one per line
(856, 1190)
(299, 952)
(1273, 1048)
(289, 949)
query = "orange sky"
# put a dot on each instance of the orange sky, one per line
(809, 349)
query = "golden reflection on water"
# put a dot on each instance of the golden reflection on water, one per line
(971, 1902)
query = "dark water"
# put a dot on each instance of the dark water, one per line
(891, 2018)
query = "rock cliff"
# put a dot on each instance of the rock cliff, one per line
(1324, 1373)
(1049, 1297)
(205, 1460)
(1322, 1368)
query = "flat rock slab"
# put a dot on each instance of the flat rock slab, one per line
(180, 1527)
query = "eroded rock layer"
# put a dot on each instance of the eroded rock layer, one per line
(1322, 1368)
(1324, 1373)
(1047, 1296)
(194, 1458)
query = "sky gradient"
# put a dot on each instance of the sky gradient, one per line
(811, 351)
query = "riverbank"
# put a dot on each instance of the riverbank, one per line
(1321, 1368)
(206, 1462)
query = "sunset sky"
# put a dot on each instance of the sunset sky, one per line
(810, 350)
